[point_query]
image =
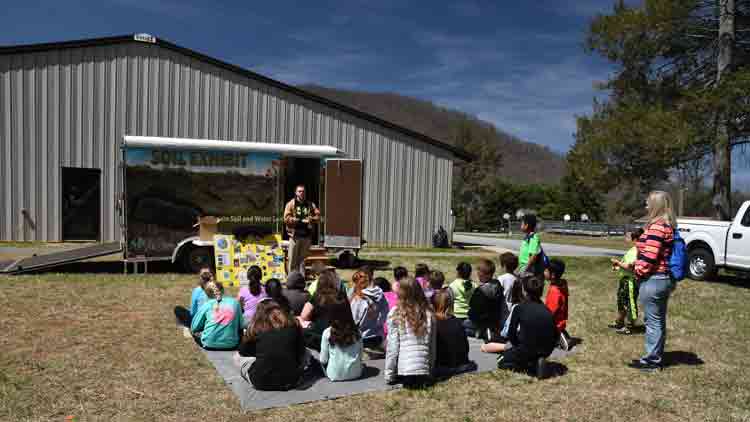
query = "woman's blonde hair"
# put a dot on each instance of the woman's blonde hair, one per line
(660, 207)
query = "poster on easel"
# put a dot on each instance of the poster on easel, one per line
(234, 257)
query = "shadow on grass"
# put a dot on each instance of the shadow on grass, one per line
(734, 280)
(574, 341)
(109, 267)
(554, 369)
(678, 357)
(374, 264)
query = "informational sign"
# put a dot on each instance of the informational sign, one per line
(167, 190)
(235, 257)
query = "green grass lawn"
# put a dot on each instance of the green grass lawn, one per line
(105, 347)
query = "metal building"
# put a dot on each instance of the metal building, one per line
(64, 108)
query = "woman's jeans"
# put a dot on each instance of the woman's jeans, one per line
(654, 294)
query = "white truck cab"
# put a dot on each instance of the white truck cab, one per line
(714, 244)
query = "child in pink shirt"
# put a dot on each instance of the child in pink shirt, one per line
(251, 295)
(422, 275)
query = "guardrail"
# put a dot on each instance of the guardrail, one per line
(570, 228)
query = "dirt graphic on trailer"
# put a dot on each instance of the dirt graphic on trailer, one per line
(168, 190)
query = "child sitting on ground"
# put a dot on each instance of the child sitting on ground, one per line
(391, 296)
(557, 300)
(252, 294)
(275, 291)
(487, 309)
(410, 354)
(369, 309)
(341, 346)
(436, 280)
(295, 292)
(316, 313)
(197, 298)
(451, 342)
(501, 344)
(421, 274)
(317, 269)
(399, 274)
(463, 288)
(275, 349)
(384, 285)
(509, 264)
(218, 323)
(627, 289)
(531, 331)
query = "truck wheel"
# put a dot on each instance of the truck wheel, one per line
(701, 264)
(196, 258)
(346, 260)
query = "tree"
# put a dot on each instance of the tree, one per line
(681, 93)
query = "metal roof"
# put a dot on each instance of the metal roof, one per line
(290, 150)
(148, 39)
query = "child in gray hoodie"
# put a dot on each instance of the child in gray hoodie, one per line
(369, 309)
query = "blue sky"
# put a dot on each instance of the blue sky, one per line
(518, 64)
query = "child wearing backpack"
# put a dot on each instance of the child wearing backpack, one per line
(531, 255)
(627, 289)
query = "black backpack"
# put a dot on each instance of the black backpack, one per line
(440, 238)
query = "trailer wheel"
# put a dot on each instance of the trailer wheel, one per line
(196, 258)
(701, 264)
(346, 259)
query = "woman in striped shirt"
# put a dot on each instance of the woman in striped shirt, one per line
(652, 269)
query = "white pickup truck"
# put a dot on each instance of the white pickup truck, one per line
(714, 244)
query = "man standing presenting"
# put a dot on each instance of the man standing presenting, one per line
(299, 217)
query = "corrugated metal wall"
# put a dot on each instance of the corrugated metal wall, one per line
(70, 108)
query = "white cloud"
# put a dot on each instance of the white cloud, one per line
(326, 68)
(535, 98)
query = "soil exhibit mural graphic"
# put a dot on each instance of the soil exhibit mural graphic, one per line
(167, 190)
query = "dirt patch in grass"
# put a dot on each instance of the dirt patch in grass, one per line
(105, 347)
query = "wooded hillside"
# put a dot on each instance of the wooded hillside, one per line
(520, 162)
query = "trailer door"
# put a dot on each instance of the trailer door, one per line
(343, 204)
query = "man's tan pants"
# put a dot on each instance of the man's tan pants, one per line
(298, 250)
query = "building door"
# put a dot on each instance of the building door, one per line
(343, 208)
(81, 204)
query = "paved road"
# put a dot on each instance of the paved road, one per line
(551, 249)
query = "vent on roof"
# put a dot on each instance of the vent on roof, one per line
(142, 37)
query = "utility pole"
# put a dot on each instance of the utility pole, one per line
(681, 212)
(722, 159)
